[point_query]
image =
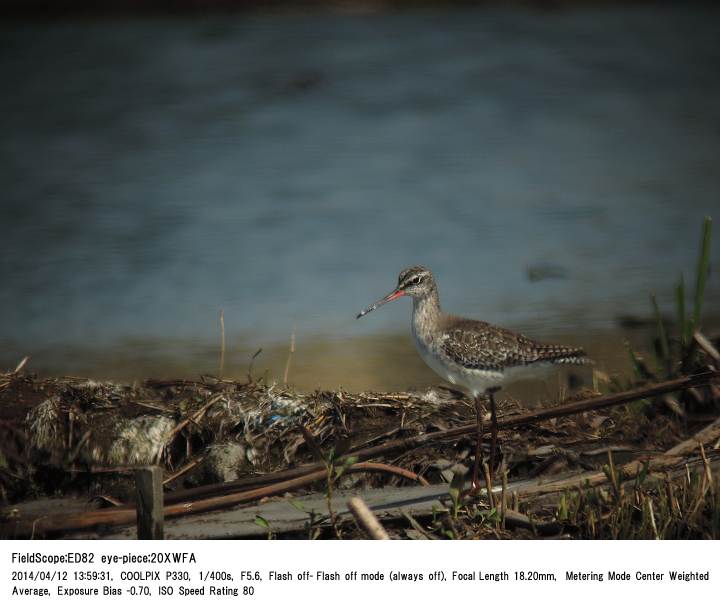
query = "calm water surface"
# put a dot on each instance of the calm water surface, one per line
(284, 169)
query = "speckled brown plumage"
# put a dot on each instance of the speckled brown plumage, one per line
(477, 345)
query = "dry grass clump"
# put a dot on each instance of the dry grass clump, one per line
(683, 506)
(45, 425)
(137, 441)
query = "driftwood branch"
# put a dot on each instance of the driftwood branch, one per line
(127, 514)
(669, 459)
(705, 436)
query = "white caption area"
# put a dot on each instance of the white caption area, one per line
(354, 574)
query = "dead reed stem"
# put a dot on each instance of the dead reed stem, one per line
(704, 343)
(222, 345)
(194, 417)
(488, 484)
(183, 470)
(366, 519)
(289, 357)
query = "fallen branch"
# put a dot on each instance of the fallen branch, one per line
(383, 468)
(54, 523)
(194, 417)
(183, 470)
(544, 414)
(705, 436)
(668, 459)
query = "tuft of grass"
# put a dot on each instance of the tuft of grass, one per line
(677, 355)
(681, 317)
(663, 345)
(456, 492)
(687, 507)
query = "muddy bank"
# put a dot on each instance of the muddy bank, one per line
(80, 440)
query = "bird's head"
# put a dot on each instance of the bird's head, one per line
(415, 281)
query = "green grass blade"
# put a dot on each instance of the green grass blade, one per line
(261, 522)
(662, 335)
(702, 272)
(638, 366)
(682, 323)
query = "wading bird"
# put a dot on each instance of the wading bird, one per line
(475, 355)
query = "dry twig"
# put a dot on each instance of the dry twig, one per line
(366, 519)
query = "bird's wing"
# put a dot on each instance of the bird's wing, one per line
(482, 346)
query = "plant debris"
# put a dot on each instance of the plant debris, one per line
(218, 438)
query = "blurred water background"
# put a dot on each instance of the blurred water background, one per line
(552, 169)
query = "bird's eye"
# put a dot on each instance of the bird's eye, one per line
(416, 280)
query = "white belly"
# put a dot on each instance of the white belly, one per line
(477, 382)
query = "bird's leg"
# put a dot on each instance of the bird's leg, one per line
(493, 429)
(478, 447)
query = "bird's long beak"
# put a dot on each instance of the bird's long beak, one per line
(389, 298)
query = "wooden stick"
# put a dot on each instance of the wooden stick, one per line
(194, 417)
(366, 519)
(222, 344)
(149, 506)
(598, 403)
(704, 436)
(21, 365)
(289, 357)
(183, 470)
(669, 458)
(219, 488)
(704, 343)
(313, 445)
(383, 468)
